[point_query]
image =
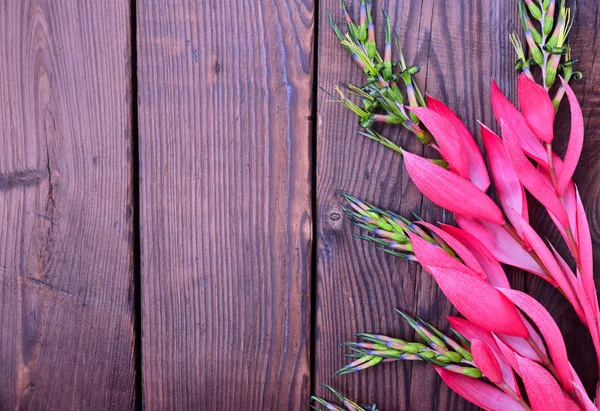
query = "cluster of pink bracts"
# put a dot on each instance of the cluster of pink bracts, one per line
(503, 340)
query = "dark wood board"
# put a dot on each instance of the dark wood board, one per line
(225, 141)
(66, 261)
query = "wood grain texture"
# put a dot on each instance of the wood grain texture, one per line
(66, 273)
(224, 115)
(359, 286)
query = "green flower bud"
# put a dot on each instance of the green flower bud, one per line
(548, 24)
(454, 356)
(535, 11)
(444, 359)
(537, 55)
(472, 372)
(371, 49)
(428, 354)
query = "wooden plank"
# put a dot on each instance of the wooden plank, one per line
(585, 40)
(459, 47)
(66, 310)
(224, 114)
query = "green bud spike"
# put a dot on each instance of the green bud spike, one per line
(373, 135)
(546, 4)
(536, 53)
(395, 93)
(472, 372)
(371, 47)
(454, 356)
(335, 28)
(387, 57)
(548, 25)
(352, 29)
(462, 339)
(468, 371)
(362, 28)
(458, 348)
(432, 333)
(427, 355)
(535, 11)
(551, 69)
(549, 17)
(415, 326)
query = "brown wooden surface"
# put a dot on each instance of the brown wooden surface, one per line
(224, 104)
(227, 273)
(459, 47)
(66, 273)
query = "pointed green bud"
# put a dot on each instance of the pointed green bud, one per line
(413, 348)
(454, 356)
(551, 69)
(443, 359)
(371, 49)
(535, 11)
(472, 372)
(548, 24)
(428, 355)
(537, 55)
(468, 371)
(546, 4)
(362, 29)
(395, 93)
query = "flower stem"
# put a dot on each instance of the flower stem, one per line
(513, 394)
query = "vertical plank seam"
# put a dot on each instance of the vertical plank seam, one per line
(314, 204)
(135, 187)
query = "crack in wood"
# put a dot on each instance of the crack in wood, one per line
(50, 287)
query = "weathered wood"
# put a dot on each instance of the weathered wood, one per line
(459, 47)
(66, 273)
(224, 116)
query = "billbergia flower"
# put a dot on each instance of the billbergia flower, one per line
(507, 340)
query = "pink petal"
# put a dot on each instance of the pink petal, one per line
(552, 336)
(492, 268)
(548, 260)
(519, 346)
(479, 302)
(430, 255)
(537, 108)
(471, 332)
(571, 405)
(575, 141)
(500, 243)
(445, 134)
(486, 361)
(543, 391)
(586, 253)
(570, 276)
(477, 170)
(532, 178)
(588, 405)
(449, 191)
(478, 392)
(505, 111)
(463, 252)
(570, 203)
(509, 188)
